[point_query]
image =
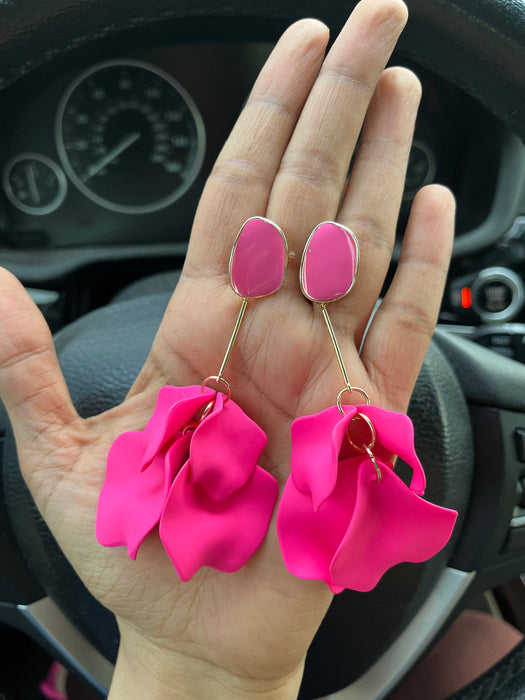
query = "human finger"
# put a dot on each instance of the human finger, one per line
(310, 181)
(373, 198)
(241, 179)
(400, 332)
(32, 386)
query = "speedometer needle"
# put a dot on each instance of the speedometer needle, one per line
(114, 153)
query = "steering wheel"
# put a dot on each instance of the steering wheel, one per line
(468, 405)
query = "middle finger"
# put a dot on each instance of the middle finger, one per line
(311, 177)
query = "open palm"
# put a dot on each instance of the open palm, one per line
(287, 159)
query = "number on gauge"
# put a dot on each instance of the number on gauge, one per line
(129, 136)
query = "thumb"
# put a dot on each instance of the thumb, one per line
(32, 386)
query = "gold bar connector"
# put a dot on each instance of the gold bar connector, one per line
(233, 338)
(336, 345)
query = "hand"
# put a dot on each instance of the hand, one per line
(287, 159)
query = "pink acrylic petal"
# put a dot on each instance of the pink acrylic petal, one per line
(390, 525)
(308, 539)
(316, 442)
(395, 433)
(329, 264)
(176, 456)
(197, 531)
(258, 260)
(131, 501)
(175, 407)
(224, 450)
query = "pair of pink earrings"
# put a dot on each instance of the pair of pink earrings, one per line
(344, 516)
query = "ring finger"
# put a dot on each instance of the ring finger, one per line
(311, 177)
(371, 205)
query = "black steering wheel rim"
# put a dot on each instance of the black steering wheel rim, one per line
(475, 44)
(484, 38)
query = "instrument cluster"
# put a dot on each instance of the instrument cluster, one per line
(102, 164)
(116, 151)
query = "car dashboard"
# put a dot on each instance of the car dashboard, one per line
(103, 162)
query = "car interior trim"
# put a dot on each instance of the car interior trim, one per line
(518, 521)
(390, 668)
(501, 219)
(509, 189)
(47, 625)
(54, 263)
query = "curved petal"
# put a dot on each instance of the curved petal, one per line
(395, 433)
(309, 539)
(131, 501)
(390, 525)
(176, 456)
(197, 531)
(316, 442)
(175, 407)
(224, 449)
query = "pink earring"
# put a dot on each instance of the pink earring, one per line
(193, 470)
(345, 517)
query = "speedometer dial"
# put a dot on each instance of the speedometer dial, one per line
(129, 136)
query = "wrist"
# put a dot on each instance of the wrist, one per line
(147, 670)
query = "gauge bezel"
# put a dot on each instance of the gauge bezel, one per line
(193, 109)
(515, 284)
(25, 208)
(431, 168)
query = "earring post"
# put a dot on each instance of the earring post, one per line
(233, 338)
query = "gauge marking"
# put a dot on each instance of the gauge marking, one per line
(111, 153)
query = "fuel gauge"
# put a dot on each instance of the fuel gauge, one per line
(34, 183)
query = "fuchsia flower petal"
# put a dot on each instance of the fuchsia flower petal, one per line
(316, 440)
(141, 467)
(404, 527)
(131, 500)
(197, 530)
(395, 434)
(221, 503)
(336, 522)
(309, 537)
(175, 407)
(200, 481)
(225, 449)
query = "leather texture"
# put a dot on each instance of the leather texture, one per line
(476, 44)
(111, 345)
(505, 681)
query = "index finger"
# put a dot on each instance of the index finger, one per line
(242, 177)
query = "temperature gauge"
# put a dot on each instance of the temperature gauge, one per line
(34, 183)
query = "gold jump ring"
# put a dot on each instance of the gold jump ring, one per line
(349, 389)
(364, 447)
(218, 380)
